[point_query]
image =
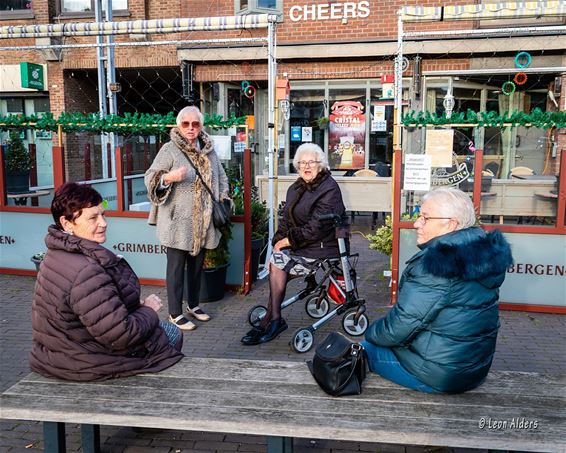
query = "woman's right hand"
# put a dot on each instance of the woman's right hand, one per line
(153, 301)
(281, 244)
(176, 175)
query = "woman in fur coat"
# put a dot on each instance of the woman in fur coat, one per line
(182, 209)
(441, 334)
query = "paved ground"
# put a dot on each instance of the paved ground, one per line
(527, 342)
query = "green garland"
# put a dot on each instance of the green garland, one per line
(129, 123)
(537, 118)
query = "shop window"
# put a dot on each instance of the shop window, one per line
(88, 6)
(307, 110)
(16, 9)
(258, 6)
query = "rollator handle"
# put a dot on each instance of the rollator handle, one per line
(339, 221)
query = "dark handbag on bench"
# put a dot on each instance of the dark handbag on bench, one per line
(339, 365)
(220, 209)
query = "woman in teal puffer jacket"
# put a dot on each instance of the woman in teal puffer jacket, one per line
(441, 334)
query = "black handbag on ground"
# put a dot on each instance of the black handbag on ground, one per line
(220, 209)
(339, 365)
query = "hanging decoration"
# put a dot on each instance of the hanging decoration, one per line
(508, 88)
(520, 78)
(537, 118)
(129, 123)
(523, 59)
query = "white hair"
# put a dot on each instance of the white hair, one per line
(188, 110)
(453, 203)
(311, 148)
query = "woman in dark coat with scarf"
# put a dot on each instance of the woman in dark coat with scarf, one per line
(440, 336)
(87, 317)
(301, 237)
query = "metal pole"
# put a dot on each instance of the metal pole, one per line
(271, 74)
(100, 59)
(111, 79)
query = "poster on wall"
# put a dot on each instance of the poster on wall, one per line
(346, 135)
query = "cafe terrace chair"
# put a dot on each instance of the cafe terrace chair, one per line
(369, 173)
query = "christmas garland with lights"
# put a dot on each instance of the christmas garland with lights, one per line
(129, 123)
(537, 118)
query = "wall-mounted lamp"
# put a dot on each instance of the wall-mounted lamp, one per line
(448, 101)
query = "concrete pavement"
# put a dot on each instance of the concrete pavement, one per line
(527, 342)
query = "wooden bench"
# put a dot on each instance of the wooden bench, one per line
(510, 411)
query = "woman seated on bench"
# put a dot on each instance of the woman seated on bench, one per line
(87, 317)
(441, 334)
(301, 237)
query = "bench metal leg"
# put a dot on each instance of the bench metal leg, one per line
(54, 437)
(279, 444)
(90, 438)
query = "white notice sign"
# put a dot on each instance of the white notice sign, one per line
(417, 172)
(439, 143)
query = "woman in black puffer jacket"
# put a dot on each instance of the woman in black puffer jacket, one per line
(301, 237)
(87, 317)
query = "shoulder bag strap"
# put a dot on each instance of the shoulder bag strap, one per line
(199, 175)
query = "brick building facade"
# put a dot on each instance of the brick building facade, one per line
(331, 52)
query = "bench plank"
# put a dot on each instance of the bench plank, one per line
(282, 399)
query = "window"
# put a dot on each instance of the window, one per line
(81, 6)
(258, 6)
(16, 9)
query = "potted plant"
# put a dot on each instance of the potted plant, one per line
(323, 122)
(216, 262)
(18, 164)
(37, 259)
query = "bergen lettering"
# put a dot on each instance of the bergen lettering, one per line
(537, 269)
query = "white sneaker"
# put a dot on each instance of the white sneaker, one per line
(182, 323)
(197, 313)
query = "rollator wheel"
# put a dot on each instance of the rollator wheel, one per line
(302, 340)
(313, 311)
(256, 314)
(349, 325)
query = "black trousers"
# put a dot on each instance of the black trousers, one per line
(177, 262)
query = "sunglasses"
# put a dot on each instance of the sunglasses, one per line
(187, 124)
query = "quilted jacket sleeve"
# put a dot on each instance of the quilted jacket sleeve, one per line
(422, 297)
(98, 304)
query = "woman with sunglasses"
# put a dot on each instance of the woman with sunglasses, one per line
(301, 237)
(440, 335)
(182, 210)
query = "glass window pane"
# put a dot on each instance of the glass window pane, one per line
(74, 6)
(14, 5)
(307, 108)
(272, 4)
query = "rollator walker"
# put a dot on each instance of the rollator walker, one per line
(337, 286)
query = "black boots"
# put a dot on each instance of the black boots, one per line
(258, 335)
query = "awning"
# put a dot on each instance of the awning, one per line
(138, 26)
(500, 10)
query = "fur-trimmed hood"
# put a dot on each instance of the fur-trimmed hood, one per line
(469, 254)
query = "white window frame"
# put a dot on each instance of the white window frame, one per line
(254, 8)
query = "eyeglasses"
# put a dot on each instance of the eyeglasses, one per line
(425, 218)
(308, 163)
(187, 124)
